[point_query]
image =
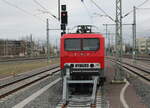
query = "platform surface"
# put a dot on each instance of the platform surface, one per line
(113, 91)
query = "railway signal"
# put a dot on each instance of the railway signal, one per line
(63, 7)
(64, 17)
(63, 27)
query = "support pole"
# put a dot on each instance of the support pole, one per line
(48, 46)
(31, 45)
(115, 33)
(106, 38)
(119, 74)
(58, 10)
(134, 34)
(109, 44)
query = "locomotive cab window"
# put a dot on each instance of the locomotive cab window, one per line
(72, 44)
(82, 44)
(90, 44)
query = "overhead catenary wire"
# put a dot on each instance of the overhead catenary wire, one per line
(88, 12)
(144, 8)
(102, 10)
(21, 9)
(45, 10)
(136, 7)
(142, 3)
(38, 3)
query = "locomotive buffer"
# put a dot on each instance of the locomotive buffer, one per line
(67, 97)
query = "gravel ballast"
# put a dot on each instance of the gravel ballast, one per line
(142, 89)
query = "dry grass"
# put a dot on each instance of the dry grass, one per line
(16, 68)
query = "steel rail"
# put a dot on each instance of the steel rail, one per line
(27, 84)
(132, 70)
(143, 58)
(86, 104)
(16, 81)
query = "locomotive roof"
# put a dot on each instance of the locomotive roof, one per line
(82, 36)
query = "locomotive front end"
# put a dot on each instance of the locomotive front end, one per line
(82, 63)
(84, 54)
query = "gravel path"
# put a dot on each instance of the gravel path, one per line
(48, 99)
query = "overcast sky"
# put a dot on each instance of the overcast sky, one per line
(19, 18)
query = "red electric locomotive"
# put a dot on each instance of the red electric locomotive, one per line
(82, 62)
(83, 53)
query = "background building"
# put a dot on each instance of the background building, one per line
(16, 48)
(11, 48)
(143, 45)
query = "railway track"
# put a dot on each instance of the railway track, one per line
(141, 58)
(24, 59)
(14, 86)
(100, 101)
(143, 73)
